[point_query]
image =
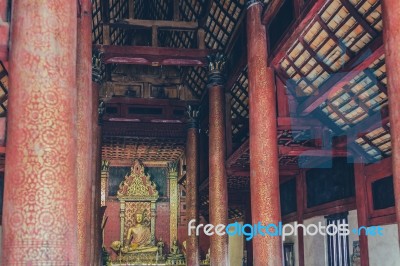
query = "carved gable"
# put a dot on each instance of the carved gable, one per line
(137, 185)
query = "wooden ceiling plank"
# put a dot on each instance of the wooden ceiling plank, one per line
(375, 121)
(360, 19)
(298, 70)
(351, 69)
(314, 55)
(334, 37)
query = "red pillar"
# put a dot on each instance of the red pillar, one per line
(96, 233)
(362, 210)
(192, 177)
(264, 168)
(39, 214)
(84, 130)
(4, 31)
(391, 33)
(217, 148)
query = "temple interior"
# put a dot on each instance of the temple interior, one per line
(200, 132)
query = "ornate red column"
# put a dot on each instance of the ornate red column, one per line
(84, 130)
(264, 168)
(97, 113)
(391, 33)
(4, 31)
(218, 194)
(39, 214)
(192, 177)
(98, 210)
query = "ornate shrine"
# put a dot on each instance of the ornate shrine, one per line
(137, 245)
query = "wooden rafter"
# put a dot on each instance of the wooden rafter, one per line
(333, 36)
(311, 151)
(295, 30)
(161, 24)
(356, 15)
(338, 80)
(314, 55)
(271, 11)
(375, 121)
(237, 153)
(287, 123)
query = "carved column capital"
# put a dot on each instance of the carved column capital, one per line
(172, 168)
(101, 110)
(96, 67)
(250, 3)
(192, 113)
(216, 69)
(105, 165)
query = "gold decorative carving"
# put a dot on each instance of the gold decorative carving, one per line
(172, 166)
(137, 185)
(105, 166)
(173, 195)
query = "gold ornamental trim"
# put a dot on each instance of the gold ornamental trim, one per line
(137, 185)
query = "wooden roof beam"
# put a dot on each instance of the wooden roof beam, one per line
(271, 10)
(153, 56)
(160, 24)
(288, 123)
(311, 151)
(337, 80)
(238, 153)
(294, 32)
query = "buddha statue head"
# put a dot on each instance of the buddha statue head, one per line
(139, 218)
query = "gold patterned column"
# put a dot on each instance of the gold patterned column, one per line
(192, 176)
(84, 130)
(153, 221)
(391, 35)
(218, 187)
(96, 240)
(173, 201)
(264, 167)
(40, 191)
(105, 165)
(122, 219)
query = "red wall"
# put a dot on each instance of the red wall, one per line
(112, 228)
(162, 223)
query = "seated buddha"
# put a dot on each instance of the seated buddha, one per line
(138, 237)
(175, 254)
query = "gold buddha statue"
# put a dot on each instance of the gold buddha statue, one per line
(175, 256)
(138, 237)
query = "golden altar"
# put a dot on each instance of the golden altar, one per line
(137, 196)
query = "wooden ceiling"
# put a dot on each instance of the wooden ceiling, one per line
(335, 68)
(143, 148)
